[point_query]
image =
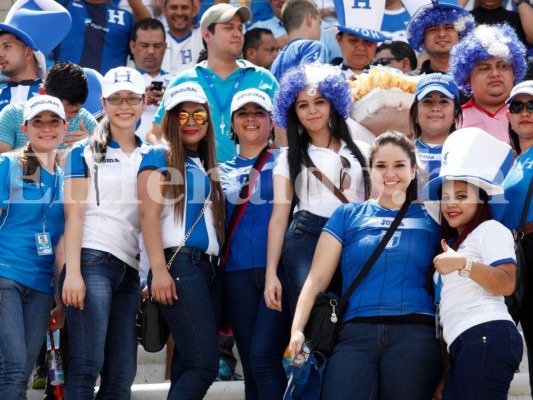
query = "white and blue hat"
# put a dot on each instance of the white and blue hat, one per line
(122, 78)
(40, 24)
(474, 156)
(363, 21)
(525, 87)
(434, 14)
(38, 104)
(255, 96)
(93, 104)
(436, 82)
(186, 91)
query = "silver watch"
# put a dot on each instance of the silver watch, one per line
(465, 272)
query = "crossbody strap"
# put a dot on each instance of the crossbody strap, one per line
(244, 200)
(526, 208)
(326, 181)
(377, 252)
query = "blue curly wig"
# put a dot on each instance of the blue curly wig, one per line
(461, 19)
(328, 80)
(484, 42)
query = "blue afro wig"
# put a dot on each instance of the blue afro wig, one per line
(328, 80)
(461, 19)
(484, 42)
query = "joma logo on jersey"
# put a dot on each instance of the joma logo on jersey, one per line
(388, 222)
(116, 16)
(111, 160)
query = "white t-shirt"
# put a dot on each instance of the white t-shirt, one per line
(149, 111)
(182, 54)
(314, 196)
(464, 303)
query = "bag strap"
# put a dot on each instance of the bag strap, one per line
(526, 207)
(244, 199)
(377, 252)
(326, 181)
(187, 235)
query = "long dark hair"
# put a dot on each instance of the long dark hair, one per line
(299, 145)
(482, 214)
(415, 126)
(31, 167)
(100, 139)
(515, 140)
(176, 155)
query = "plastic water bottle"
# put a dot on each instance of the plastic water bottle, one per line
(54, 359)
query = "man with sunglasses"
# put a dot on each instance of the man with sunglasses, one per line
(488, 69)
(396, 54)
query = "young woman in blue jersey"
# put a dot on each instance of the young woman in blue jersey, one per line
(31, 226)
(516, 185)
(182, 216)
(387, 347)
(475, 269)
(434, 114)
(312, 103)
(261, 334)
(100, 282)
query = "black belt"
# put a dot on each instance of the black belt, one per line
(213, 260)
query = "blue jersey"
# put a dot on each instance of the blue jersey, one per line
(516, 185)
(24, 207)
(395, 23)
(198, 190)
(296, 52)
(99, 37)
(219, 93)
(18, 94)
(396, 283)
(429, 156)
(249, 241)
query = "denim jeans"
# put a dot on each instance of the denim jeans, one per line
(483, 360)
(383, 361)
(261, 334)
(24, 317)
(298, 251)
(193, 320)
(102, 336)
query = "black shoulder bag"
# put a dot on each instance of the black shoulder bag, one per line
(326, 315)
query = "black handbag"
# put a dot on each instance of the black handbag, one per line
(152, 330)
(326, 315)
(514, 301)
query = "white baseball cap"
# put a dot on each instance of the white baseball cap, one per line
(255, 96)
(186, 91)
(525, 87)
(38, 104)
(122, 78)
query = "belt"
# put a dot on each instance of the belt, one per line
(213, 260)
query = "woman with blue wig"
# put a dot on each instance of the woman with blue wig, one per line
(312, 103)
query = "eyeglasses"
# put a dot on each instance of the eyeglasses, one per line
(200, 117)
(345, 178)
(385, 61)
(132, 100)
(516, 107)
(301, 358)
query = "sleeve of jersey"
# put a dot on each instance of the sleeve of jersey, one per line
(89, 121)
(336, 224)
(315, 51)
(75, 166)
(4, 181)
(282, 165)
(8, 125)
(155, 159)
(497, 245)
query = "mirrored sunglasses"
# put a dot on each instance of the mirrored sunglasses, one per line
(199, 117)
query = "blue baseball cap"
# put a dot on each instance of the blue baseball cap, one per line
(438, 82)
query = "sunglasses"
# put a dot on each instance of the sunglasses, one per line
(301, 358)
(200, 117)
(516, 107)
(384, 61)
(132, 100)
(345, 178)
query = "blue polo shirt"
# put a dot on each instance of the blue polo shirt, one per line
(24, 205)
(296, 52)
(247, 76)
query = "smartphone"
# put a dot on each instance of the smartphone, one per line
(157, 85)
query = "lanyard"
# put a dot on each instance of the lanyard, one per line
(45, 209)
(214, 93)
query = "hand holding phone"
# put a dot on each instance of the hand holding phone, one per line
(157, 85)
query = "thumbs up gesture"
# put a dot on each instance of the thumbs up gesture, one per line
(73, 137)
(449, 260)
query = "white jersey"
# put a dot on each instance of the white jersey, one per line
(182, 54)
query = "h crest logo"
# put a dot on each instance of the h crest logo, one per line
(116, 17)
(362, 4)
(122, 76)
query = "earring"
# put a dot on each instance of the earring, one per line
(300, 130)
(271, 138)
(231, 134)
(330, 123)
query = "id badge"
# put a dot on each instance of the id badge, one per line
(44, 244)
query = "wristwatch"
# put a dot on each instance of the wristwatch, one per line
(465, 272)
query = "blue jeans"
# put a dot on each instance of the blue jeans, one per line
(193, 320)
(102, 336)
(24, 317)
(298, 251)
(383, 361)
(483, 360)
(261, 334)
